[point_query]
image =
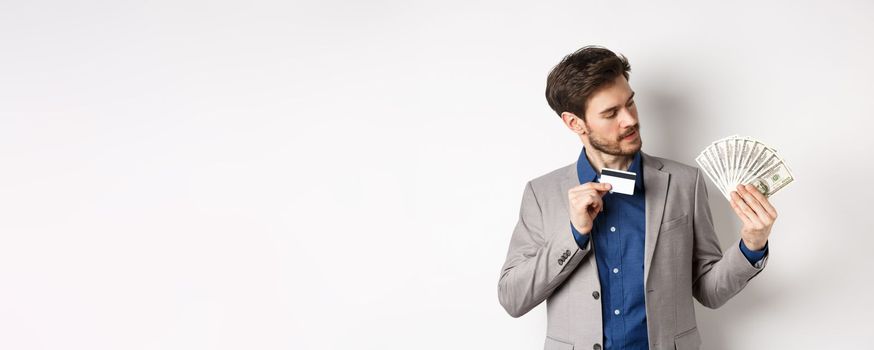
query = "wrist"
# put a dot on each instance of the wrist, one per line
(582, 231)
(754, 244)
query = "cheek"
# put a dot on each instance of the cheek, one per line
(606, 129)
(606, 125)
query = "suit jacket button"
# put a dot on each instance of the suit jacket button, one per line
(597, 346)
(596, 295)
(560, 261)
(567, 252)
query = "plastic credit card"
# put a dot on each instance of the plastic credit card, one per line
(621, 181)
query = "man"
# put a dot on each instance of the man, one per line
(619, 271)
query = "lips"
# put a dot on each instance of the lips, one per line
(631, 135)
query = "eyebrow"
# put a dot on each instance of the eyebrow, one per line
(617, 107)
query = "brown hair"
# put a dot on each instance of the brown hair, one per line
(578, 75)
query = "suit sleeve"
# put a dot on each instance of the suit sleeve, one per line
(717, 276)
(537, 262)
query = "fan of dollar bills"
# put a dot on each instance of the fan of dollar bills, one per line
(738, 160)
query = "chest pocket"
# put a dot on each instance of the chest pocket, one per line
(676, 222)
(688, 340)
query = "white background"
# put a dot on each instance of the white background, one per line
(335, 175)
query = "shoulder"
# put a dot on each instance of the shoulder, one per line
(553, 183)
(554, 177)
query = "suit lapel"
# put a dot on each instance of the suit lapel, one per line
(655, 183)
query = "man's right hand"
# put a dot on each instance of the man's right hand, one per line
(585, 204)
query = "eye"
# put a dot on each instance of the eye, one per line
(630, 103)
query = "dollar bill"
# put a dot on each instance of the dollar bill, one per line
(774, 179)
(735, 160)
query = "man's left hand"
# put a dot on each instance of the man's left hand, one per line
(757, 214)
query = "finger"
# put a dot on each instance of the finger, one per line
(593, 209)
(583, 194)
(576, 189)
(601, 188)
(754, 204)
(593, 187)
(763, 200)
(583, 187)
(750, 214)
(598, 208)
(736, 205)
(743, 217)
(596, 202)
(594, 198)
(578, 193)
(590, 186)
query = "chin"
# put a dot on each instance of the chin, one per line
(633, 148)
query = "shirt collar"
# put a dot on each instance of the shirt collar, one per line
(586, 173)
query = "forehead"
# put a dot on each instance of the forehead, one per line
(613, 94)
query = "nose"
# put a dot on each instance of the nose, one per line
(627, 119)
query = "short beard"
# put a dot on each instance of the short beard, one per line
(614, 148)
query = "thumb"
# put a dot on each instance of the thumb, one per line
(605, 187)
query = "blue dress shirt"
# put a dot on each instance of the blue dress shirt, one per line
(619, 233)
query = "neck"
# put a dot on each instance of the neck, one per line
(600, 160)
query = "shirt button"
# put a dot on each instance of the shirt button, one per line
(616, 312)
(612, 228)
(615, 270)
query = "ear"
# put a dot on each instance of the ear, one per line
(575, 123)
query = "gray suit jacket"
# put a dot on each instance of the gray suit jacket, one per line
(682, 260)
